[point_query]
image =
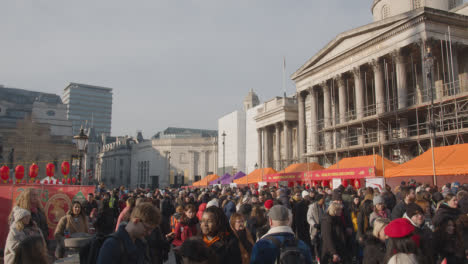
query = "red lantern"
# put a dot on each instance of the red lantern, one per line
(290, 184)
(64, 181)
(19, 172)
(325, 183)
(65, 168)
(46, 182)
(357, 183)
(307, 187)
(50, 170)
(69, 181)
(38, 181)
(33, 170)
(74, 180)
(345, 183)
(4, 173)
(10, 181)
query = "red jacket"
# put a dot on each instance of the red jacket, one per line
(183, 232)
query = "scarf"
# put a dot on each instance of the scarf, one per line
(382, 214)
(208, 242)
(279, 229)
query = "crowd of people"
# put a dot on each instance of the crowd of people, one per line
(412, 223)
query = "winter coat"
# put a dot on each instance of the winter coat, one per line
(399, 210)
(184, 231)
(72, 224)
(246, 243)
(401, 258)
(363, 224)
(105, 221)
(462, 231)
(333, 237)
(201, 209)
(229, 209)
(284, 200)
(227, 250)
(425, 241)
(14, 238)
(300, 224)
(374, 250)
(374, 216)
(444, 213)
(314, 214)
(38, 216)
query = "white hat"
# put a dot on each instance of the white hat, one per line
(20, 213)
(213, 202)
(305, 193)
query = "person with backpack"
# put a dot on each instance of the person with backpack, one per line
(127, 244)
(279, 244)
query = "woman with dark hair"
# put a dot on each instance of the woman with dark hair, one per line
(218, 236)
(448, 209)
(246, 241)
(194, 251)
(402, 245)
(446, 243)
(105, 218)
(75, 221)
(363, 219)
(188, 225)
(32, 250)
(333, 235)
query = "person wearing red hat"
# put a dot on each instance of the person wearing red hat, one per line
(402, 244)
(268, 204)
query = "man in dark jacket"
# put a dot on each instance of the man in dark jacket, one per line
(415, 214)
(283, 197)
(408, 196)
(265, 251)
(229, 207)
(300, 224)
(144, 218)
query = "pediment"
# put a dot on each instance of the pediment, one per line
(350, 40)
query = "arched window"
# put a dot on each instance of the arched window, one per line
(385, 11)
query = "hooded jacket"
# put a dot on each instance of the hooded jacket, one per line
(443, 213)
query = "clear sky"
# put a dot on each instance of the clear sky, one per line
(181, 63)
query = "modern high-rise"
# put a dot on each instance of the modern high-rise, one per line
(89, 106)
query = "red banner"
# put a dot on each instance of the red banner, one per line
(277, 177)
(56, 201)
(348, 173)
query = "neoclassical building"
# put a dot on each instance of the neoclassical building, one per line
(369, 90)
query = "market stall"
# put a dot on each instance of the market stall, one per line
(255, 176)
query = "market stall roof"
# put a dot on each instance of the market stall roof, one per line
(205, 181)
(449, 160)
(220, 179)
(236, 176)
(365, 161)
(301, 167)
(255, 176)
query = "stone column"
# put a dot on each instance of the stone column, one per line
(202, 165)
(287, 142)
(342, 98)
(313, 121)
(379, 86)
(278, 147)
(402, 89)
(192, 163)
(359, 88)
(265, 162)
(301, 127)
(327, 115)
(260, 148)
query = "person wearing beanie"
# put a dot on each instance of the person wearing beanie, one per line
(380, 211)
(402, 244)
(268, 204)
(415, 215)
(21, 228)
(374, 243)
(315, 212)
(213, 202)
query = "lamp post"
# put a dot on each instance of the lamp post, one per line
(81, 142)
(429, 64)
(224, 151)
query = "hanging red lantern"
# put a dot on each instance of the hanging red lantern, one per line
(50, 170)
(19, 172)
(38, 181)
(46, 182)
(290, 184)
(65, 168)
(4, 173)
(325, 183)
(74, 180)
(10, 181)
(345, 183)
(307, 187)
(69, 180)
(357, 183)
(64, 181)
(33, 170)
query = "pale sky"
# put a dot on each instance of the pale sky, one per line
(182, 63)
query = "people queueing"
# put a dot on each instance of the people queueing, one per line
(413, 223)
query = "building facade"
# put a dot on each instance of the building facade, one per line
(370, 90)
(89, 106)
(34, 129)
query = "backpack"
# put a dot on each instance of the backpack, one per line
(289, 251)
(90, 252)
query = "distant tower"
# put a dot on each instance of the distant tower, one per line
(382, 9)
(251, 100)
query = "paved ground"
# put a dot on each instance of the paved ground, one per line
(171, 259)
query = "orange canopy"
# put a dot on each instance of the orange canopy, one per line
(365, 161)
(301, 167)
(255, 176)
(450, 160)
(206, 181)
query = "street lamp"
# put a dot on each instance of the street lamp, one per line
(81, 142)
(428, 65)
(224, 152)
